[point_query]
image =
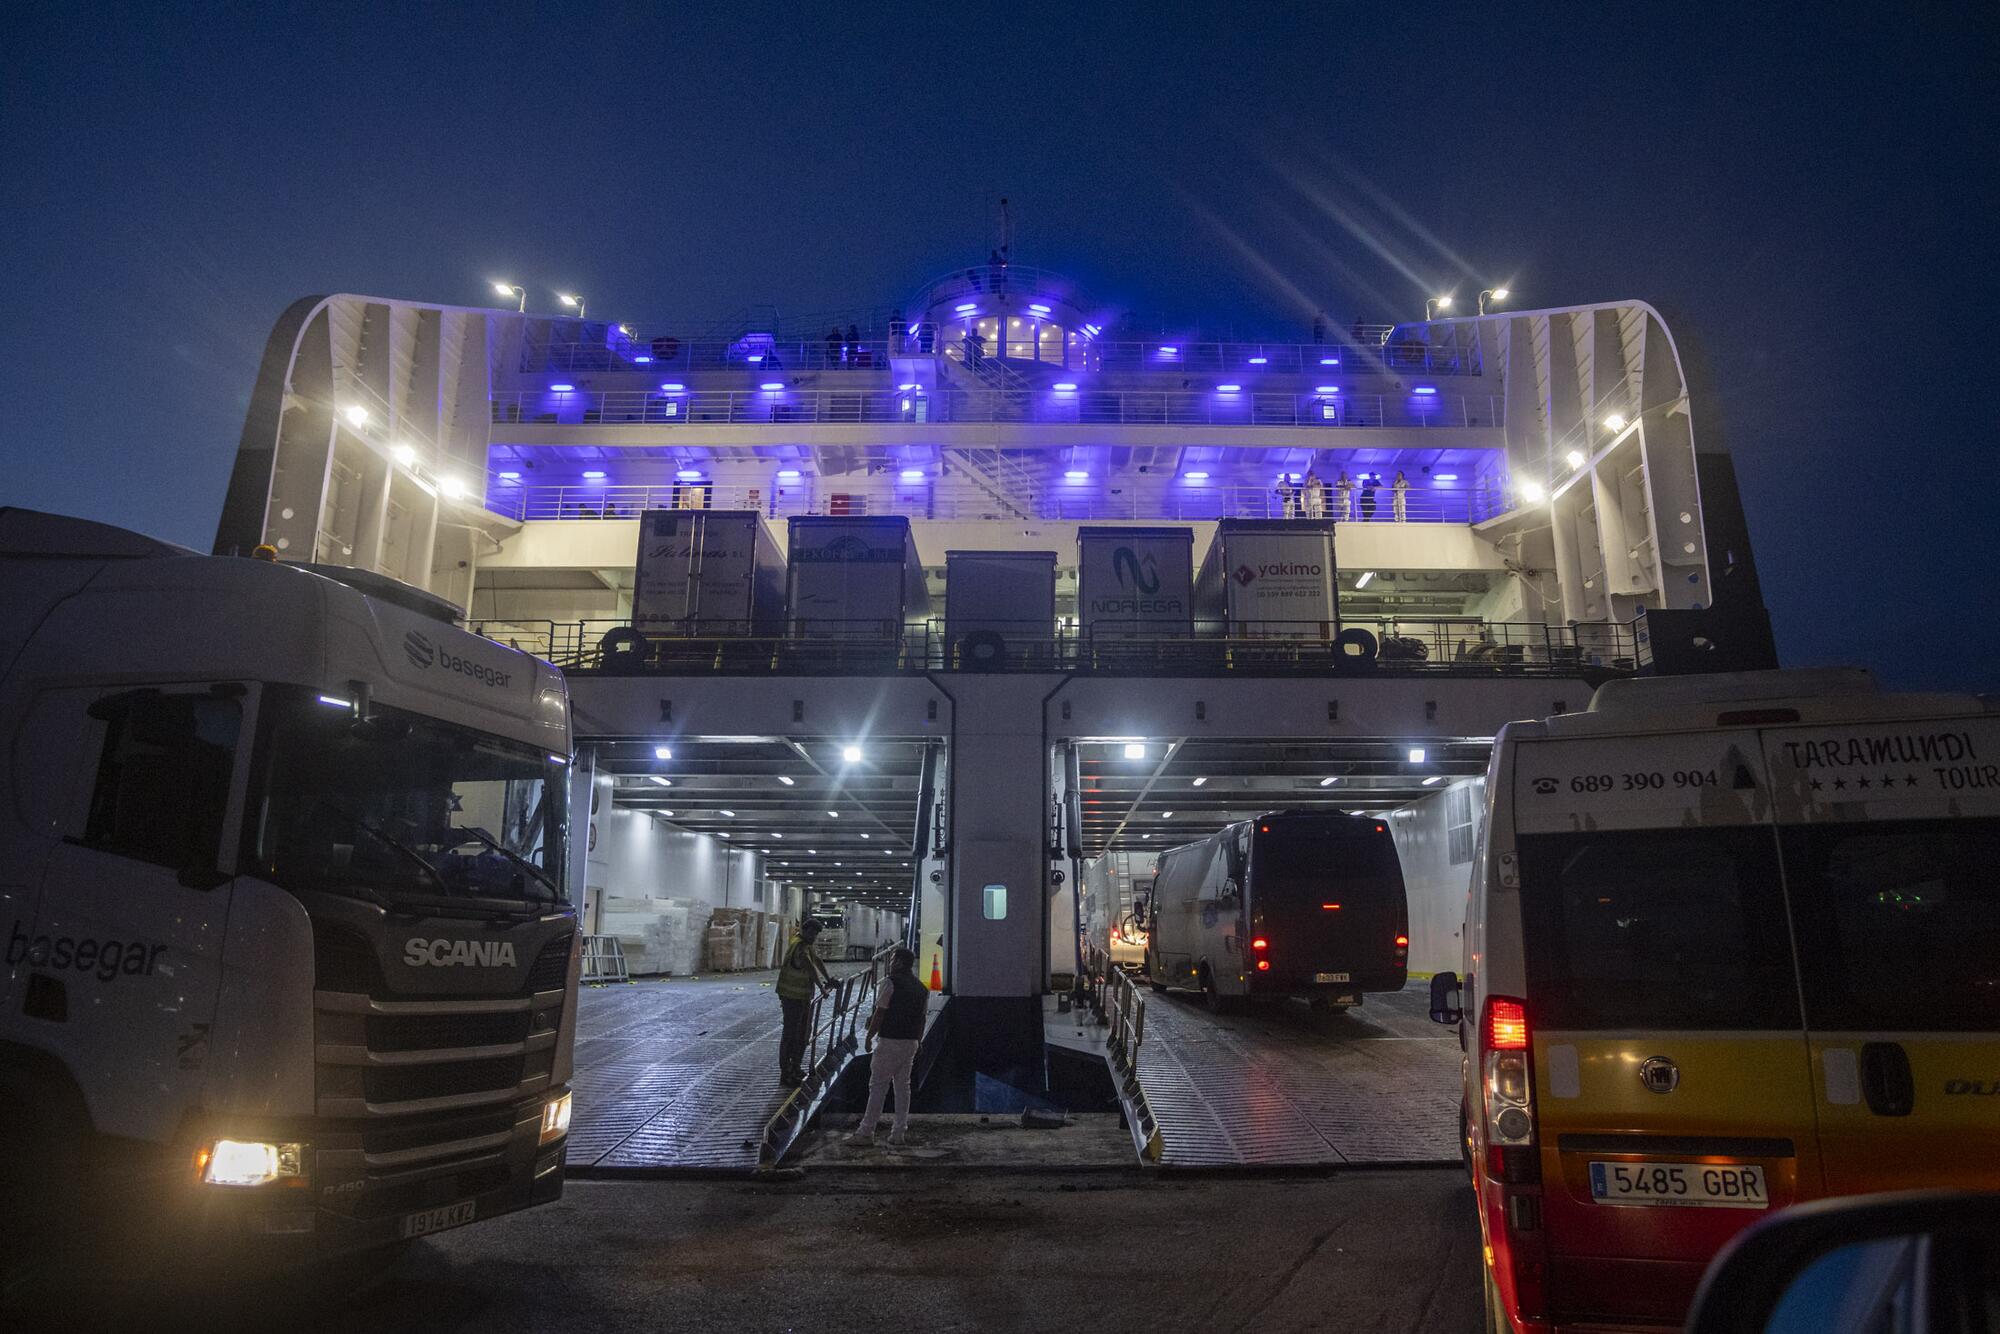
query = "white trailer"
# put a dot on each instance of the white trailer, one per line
(1000, 609)
(853, 578)
(707, 573)
(1268, 579)
(290, 967)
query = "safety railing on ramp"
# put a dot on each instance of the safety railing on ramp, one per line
(1108, 991)
(603, 960)
(837, 1012)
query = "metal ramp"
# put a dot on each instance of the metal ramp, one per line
(1288, 1087)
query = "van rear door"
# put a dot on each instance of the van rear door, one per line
(1891, 840)
(1327, 893)
(1672, 1093)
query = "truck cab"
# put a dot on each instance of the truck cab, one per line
(290, 963)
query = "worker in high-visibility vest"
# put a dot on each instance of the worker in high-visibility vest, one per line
(799, 976)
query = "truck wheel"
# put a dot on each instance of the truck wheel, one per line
(39, 1239)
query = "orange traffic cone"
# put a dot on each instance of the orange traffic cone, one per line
(937, 978)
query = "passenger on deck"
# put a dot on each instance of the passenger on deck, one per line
(833, 346)
(854, 343)
(1315, 496)
(1343, 497)
(1287, 502)
(1401, 498)
(799, 977)
(895, 1029)
(1368, 484)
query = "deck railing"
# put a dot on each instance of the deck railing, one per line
(788, 405)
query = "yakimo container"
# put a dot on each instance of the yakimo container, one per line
(999, 608)
(1268, 579)
(707, 573)
(853, 578)
(1135, 583)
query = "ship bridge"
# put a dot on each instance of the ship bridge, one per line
(946, 615)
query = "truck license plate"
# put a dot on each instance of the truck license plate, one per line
(1329, 977)
(1725, 1187)
(426, 1221)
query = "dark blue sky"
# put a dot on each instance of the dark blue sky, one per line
(1808, 192)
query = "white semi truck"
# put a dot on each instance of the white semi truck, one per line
(290, 967)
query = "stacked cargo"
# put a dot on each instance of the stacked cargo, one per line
(1000, 610)
(1267, 579)
(660, 936)
(1135, 589)
(854, 579)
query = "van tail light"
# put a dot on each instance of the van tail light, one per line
(1511, 1192)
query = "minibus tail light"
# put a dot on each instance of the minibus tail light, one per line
(1508, 1088)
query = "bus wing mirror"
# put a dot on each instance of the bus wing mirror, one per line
(1445, 1004)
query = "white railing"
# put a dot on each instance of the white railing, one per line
(1110, 408)
(952, 497)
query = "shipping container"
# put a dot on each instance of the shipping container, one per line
(1268, 579)
(854, 578)
(1135, 583)
(999, 609)
(707, 573)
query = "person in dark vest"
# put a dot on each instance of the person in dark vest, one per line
(799, 976)
(894, 1030)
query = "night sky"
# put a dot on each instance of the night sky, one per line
(1808, 193)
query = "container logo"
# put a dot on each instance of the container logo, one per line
(1143, 576)
(1245, 575)
(424, 655)
(848, 548)
(421, 652)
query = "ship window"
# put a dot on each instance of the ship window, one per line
(995, 902)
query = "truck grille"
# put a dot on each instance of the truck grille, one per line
(408, 1083)
(425, 1032)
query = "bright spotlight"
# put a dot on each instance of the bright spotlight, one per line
(1532, 493)
(1500, 294)
(1135, 750)
(1615, 422)
(1416, 754)
(405, 455)
(663, 752)
(357, 415)
(1574, 458)
(850, 754)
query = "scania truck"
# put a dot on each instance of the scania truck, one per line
(290, 969)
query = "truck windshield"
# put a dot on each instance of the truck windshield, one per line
(406, 809)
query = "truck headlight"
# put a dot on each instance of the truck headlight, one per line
(243, 1162)
(555, 1118)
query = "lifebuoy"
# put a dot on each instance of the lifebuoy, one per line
(982, 651)
(622, 643)
(1355, 645)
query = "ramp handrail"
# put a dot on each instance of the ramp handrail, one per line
(603, 961)
(1111, 995)
(831, 1024)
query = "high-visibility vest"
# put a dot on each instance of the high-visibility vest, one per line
(796, 978)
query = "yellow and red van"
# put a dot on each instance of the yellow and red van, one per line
(1732, 942)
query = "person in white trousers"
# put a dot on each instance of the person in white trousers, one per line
(895, 1028)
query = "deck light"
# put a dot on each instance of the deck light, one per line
(850, 754)
(788, 474)
(1166, 815)
(1424, 389)
(336, 702)
(1064, 386)
(966, 308)
(405, 455)
(1574, 458)
(913, 474)
(1329, 782)
(1260, 361)
(509, 289)
(1076, 475)
(453, 487)
(1532, 493)
(357, 415)
(906, 388)
(785, 780)
(1432, 781)
(1135, 750)
(642, 361)
(1445, 477)
(663, 752)
(562, 388)
(864, 833)
(1615, 422)
(1228, 388)
(1326, 389)
(673, 387)
(1168, 350)
(1437, 303)
(1365, 578)
(833, 815)
(730, 814)
(1037, 308)
(1416, 754)
(1199, 781)
(754, 357)
(770, 385)
(1195, 476)
(663, 782)
(688, 475)
(593, 474)
(1496, 293)
(1329, 361)
(510, 477)
(571, 299)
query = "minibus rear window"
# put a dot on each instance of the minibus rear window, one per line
(1899, 924)
(1668, 928)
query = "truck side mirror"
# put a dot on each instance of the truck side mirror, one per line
(1445, 1003)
